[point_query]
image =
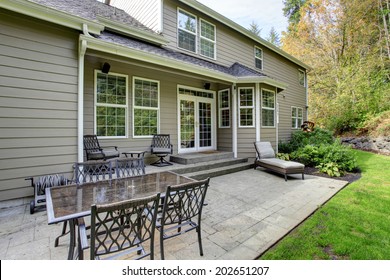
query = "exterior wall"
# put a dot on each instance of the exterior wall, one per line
(168, 99)
(151, 18)
(38, 101)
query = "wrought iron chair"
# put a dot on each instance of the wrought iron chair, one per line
(161, 147)
(182, 211)
(129, 167)
(120, 229)
(85, 172)
(94, 151)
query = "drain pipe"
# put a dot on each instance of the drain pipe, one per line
(234, 120)
(80, 97)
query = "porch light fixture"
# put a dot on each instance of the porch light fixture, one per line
(106, 67)
(206, 86)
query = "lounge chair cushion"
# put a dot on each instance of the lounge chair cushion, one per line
(264, 150)
(288, 165)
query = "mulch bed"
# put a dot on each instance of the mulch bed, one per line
(350, 177)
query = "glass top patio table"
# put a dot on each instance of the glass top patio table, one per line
(70, 202)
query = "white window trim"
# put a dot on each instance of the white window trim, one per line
(304, 77)
(207, 39)
(185, 30)
(268, 108)
(146, 108)
(220, 109)
(246, 107)
(260, 58)
(126, 106)
(296, 118)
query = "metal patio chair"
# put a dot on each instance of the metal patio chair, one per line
(182, 211)
(94, 171)
(129, 167)
(94, 151)
(161, 147)
(120, 230)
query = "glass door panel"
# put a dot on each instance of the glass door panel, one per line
(187, 124)
(205, 124)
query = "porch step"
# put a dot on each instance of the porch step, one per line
(193, 158)
(215, 168)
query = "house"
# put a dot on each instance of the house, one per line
(70, 67)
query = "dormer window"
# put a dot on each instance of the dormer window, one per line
(207, 39)
(258, 58)
(187, 30)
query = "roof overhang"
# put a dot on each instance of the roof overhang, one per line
(224, 20)
(51, 15)
(144, 56)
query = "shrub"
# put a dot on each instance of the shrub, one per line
(300, 139)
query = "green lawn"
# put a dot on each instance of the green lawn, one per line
(353, 225)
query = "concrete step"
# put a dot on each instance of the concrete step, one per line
(192, 168)
(193, 158)
(218, 171)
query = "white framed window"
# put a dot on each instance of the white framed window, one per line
(258, 58)
(246, 102)
(224, 108)
(111, 105)
(207, 39)
(268, 108)
(296, 117)
(186, 30)
(302, 77)
(146, 107)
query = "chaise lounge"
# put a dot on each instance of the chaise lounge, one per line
(266, 158)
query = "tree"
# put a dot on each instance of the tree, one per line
(292, 9)
(349, 81)
(273, 37)
(254, 28)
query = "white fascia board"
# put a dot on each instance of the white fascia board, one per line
(133, 31)
(120, 50)
(224, 20)
(117, 49)
(264, 80)
(51, 15)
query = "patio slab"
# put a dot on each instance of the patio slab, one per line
(246, 213)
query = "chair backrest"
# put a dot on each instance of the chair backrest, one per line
(161, 141)
(91, 143)
(183, 202)
(264, 150)
(123, 226)
(129, 167)
(85, 172)
(48, 181)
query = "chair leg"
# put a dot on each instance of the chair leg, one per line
(200, 240)
(303, 176)
(162, 243)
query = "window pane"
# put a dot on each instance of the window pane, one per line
(268, 99)
(187, 41)
(224, 100)
(207, 31)
(110, 121)
(267, 117)
(246, 97)
(207, 48)
(225, 118)
(246, 117)
(187, 22)
(258, 53)
(259, 63)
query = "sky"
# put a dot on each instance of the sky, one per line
(266, 13)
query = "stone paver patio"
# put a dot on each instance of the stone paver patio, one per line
(247, 212)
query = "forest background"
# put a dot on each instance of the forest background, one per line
(346, 43)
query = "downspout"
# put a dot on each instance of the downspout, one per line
(80, 98)
(307, 97)
(257, 112)
(234, 120)
(277, 120)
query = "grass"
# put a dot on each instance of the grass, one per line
(353, 225)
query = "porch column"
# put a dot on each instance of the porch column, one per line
(80, 101)
(258, 112)
(234, 119)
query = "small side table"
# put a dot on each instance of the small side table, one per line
(139, 154)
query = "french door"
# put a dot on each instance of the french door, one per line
(196, 122)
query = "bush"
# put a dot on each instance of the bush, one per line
(327, 157)
(300, 139)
